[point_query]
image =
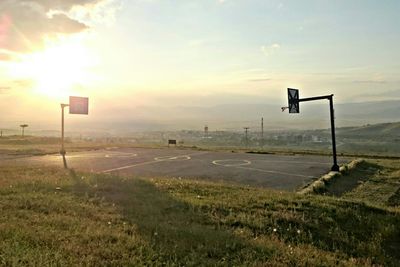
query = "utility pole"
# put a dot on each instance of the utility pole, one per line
(246, 129)
(262, 131)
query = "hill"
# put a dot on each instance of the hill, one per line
(373, 131)
(234, 117)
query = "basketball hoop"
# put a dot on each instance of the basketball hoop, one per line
(284, 108)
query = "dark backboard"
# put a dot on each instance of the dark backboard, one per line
(293, 99)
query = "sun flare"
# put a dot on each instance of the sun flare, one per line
(59, 70)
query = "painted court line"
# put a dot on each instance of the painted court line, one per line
(276, 172)
(130, 166)
(153, 161)
(295, 162)
(105, 154)
(242, 163)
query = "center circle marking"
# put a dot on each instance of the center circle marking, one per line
(232, 162)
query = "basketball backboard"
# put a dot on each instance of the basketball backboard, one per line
(78, 105)
(293, 99)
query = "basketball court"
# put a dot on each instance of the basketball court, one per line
(283, 172)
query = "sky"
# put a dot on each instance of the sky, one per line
(127, 54)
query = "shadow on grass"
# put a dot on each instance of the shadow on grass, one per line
(180, 233)
(349, 181)
(394, 200)
(172, 228)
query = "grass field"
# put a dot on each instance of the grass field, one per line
(33, 145)
(53, 217)
(374, 182)
(16, 145)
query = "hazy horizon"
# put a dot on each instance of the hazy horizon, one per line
(228, 117)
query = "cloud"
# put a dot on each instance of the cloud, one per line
(12, 85)
(370, 81)
(197, 43)
(5, 56)
(62, 4)
(24, 83)
(260, 80)
(271, 49)
(389, 95)
(25, 24)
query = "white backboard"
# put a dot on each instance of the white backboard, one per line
(78, 105)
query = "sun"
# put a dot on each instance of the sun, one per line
(58, 70)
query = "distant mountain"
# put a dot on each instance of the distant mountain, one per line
(236, 116)
(376, 130)
(227, 117)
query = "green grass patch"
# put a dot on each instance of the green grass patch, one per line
(379, 183)
(374, 181)
(55, 217)
(36, 145)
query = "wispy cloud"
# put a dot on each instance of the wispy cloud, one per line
(197, 42)
(15, 85)
(259, 80)
(370, 81)
(378, 96)
(270, 49)
(5, 56)
(24, 83)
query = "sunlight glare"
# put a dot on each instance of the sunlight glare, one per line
(58, 70)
